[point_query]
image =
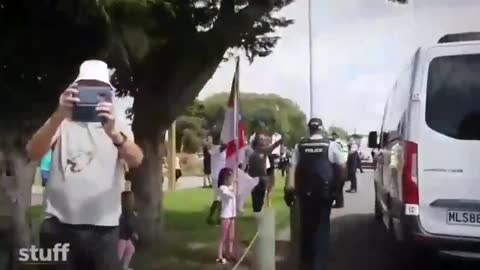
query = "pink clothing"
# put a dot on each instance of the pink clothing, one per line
(227, 245)
(126, 249)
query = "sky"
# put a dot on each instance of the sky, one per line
(359, 48)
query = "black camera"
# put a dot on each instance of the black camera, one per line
(90, 96)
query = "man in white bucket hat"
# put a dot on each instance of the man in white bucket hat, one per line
(87, 171)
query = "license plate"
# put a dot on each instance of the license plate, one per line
(463, 218)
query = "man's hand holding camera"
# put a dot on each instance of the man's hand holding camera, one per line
(67, 101)
(106, 112)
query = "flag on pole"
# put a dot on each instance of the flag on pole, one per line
(234, 135)
(234, 125)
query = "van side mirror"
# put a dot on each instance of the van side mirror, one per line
(373, 139)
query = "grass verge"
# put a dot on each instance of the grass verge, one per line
(189, 242)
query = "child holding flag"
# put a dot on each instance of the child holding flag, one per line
(227, 187)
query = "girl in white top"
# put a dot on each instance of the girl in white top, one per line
(227, 188)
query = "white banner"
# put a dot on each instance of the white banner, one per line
(245, 187)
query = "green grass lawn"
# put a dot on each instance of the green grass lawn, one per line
(189, 242)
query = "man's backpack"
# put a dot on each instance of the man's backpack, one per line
(314, 173)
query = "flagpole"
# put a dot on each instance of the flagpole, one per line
(310, 49)
(235, 121)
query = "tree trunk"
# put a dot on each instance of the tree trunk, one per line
(16, 178)
(154, 111)
(147, 182)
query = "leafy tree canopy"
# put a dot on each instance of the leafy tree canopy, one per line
(342, 133)
(156, 46)
(163, 53)
(264, 113)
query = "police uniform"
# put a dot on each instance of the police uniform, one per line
(315, 176)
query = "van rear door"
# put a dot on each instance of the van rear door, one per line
(449, 142)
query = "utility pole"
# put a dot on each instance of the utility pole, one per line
(310, 56)
(172, 157)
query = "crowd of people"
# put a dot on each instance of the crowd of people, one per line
(99, 222)
(257, 166)
(259, 163)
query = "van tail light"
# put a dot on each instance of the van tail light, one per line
(410, 178)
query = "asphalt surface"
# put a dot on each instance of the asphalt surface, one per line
(359, 242)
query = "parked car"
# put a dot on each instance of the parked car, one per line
(427, 188)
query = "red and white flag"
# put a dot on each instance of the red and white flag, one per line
(234, 134)
(234, 131)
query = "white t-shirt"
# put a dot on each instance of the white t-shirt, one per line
(86, 175)
(229, 202)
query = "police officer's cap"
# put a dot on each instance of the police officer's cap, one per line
(315, 123)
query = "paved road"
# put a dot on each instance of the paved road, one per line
(358, 242)
(185, 182)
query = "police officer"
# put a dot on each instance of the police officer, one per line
(317, 164)
(339, 198)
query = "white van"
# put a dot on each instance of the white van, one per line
(427, 181)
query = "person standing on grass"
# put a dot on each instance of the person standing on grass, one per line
(207, 166)
(271, 179)
(126, 248)
(218, 162)
(285, 161)
(88, 167)
(257, 165)
(227, 187)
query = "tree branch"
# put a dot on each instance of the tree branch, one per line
(240, 22)
(245, 18)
